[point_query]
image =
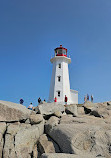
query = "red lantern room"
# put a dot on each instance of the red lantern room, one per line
(61, 51)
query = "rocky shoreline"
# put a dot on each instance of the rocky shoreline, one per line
(55, 131)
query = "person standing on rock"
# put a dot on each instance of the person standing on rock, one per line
(66, 99)
(55, 99)
(92, 98)
(39, 100)
(30, 107)
(87, 97)
(21, 101)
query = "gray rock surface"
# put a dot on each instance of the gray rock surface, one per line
(52, 122)
(97, 109)
(62, 155)
(13, 112)
(58, 114)
(2, 131)
(72, 109)
(80, 110)
(21, 140)
(50, 108)
(100, 110)
(25, 140)
(35, 152)
(89, 105)
(9, 149)
(35, 118)
(45, 146)
(82, 135)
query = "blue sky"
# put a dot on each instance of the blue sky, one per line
(30, 30)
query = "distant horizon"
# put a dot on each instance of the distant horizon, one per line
(29, 33)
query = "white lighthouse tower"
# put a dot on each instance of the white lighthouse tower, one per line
(60, 84)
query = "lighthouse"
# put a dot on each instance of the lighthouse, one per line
(60, 83)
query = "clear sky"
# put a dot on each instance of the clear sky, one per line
(30, 30)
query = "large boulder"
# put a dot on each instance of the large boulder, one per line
(84, 119)
(82, 135)
(21, 140)
(9, 149)
(58, 114)
(26, 139)
(88, 106)
(13, 112)
(52, 122)
(45, 146)
(13, 128)
(9, 144)
(80, 110)
(97, 109)
(72, 109)
(35, 119)
(50, 108)
(100, 110)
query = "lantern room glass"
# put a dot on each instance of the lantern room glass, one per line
(60, 52)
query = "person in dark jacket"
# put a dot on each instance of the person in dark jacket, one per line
(92, 98)
(39, 100)
(87, 97)
(21, 101)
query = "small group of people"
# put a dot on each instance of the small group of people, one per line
(86, 98)
(31, 105)
(65, 99)
(40, 101)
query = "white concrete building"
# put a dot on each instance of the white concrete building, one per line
(60, 84)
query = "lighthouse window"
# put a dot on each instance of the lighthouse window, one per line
(59, 65)
(59, 78)
(58, 93)
(64, 52)
(60, 51)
